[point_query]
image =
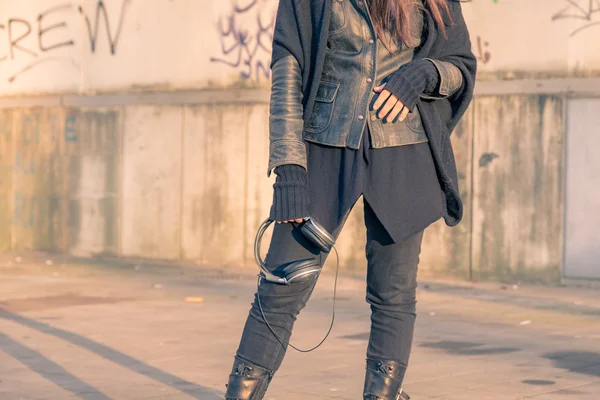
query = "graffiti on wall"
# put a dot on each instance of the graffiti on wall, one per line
(586, 11)
(46, 26)
(482, 51)
(245, 36)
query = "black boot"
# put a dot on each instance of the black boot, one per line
(247, 381)
(383, 380)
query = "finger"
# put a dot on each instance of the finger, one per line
(404, 114)
(395, 111)
(379, 88)
(298, 220)
(387, 106)
(383, 96)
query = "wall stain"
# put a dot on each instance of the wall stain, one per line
(487, 158)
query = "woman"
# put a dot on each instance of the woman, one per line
(364, 97)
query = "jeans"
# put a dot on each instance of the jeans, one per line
(391, 286)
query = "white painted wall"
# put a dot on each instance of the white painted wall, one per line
(548, 37)
(191, 44)
(157, 44)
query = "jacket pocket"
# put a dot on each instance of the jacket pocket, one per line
(338, 17)
(322, 111)
(414, 121)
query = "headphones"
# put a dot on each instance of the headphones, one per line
(297, 271)
(301, 270)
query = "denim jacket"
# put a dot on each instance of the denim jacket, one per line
(356, 62)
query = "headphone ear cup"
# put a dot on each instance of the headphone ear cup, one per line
(317, 235)
(301, 271)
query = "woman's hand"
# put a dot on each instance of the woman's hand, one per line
(298, 220)
(388, 104)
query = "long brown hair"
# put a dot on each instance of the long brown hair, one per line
(395, 16)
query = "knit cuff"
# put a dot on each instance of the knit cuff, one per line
(290, 195)
(411, 80)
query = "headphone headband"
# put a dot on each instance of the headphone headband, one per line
(259, 261)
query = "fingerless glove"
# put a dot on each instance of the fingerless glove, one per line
(413, 79)
(290, 194)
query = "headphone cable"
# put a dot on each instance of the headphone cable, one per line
(337, 267)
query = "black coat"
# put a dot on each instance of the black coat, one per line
(301, 31)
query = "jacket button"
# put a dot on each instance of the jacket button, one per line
(360, 3)
(369, 80)
(371, 41)
(361, 117)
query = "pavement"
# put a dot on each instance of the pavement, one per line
(113, 329)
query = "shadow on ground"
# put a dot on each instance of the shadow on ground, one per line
(468, 348)
(581, 362)
(48, 368)
(61, 377)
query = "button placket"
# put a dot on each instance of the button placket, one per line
(371, 68)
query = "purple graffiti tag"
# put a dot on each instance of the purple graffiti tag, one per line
(584, 10)
(244, 46)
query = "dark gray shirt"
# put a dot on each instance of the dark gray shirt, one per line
(399, 183)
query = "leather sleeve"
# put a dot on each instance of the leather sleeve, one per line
(285, 115)
(451, 80)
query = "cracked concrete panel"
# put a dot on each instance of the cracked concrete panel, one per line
(94, 184)
(6, 161)
(151, 182)
(259, 187)
(582, 242)
(214, 184)
(200, 124)
(43, 140)
(517, 205)
(446, 250)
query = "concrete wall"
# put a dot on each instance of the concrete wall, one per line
(102, 181)
(518, 185)
(188, 182)
(137, 128)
